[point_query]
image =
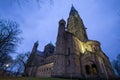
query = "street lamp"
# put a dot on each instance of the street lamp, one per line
(7, 65)
(5, 68)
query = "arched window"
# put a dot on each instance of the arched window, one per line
(94, 69)
(87, 68)
(68, 51)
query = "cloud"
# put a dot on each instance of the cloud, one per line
(99, 16)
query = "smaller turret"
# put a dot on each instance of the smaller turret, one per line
(32, 55)
(61, 26)
(62, 22)
(61, 29)
(60, 43)
(35, 47)
(49, 49)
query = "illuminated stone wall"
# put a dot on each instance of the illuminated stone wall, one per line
(45, 70)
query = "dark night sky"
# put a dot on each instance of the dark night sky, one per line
(39, 21)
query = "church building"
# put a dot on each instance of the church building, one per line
(73, 56)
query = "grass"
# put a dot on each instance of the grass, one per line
(29, 78)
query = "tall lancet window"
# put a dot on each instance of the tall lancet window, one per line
(68, 51)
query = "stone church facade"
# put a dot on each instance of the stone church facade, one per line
(73, 56)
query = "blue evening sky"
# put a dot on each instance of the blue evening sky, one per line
(39, 21)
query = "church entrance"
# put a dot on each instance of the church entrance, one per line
(91, 70)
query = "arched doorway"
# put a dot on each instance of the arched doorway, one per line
(87, 69)
(94, 69)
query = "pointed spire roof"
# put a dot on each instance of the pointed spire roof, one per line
(37, 42)
(51, 43)
(62, 21)
(73, 10)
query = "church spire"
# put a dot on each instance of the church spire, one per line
(73, 10)
(75, 25)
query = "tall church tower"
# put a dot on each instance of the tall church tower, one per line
(75, 25)
(76, 55)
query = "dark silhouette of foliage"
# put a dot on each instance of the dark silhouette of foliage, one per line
(9, 31)
(116, 65)
(22, 60)
(20, 63)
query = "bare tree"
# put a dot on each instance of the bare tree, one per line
(9, 31)
(116, 65)
(22, 59)
(20, 62)
(38, 2)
